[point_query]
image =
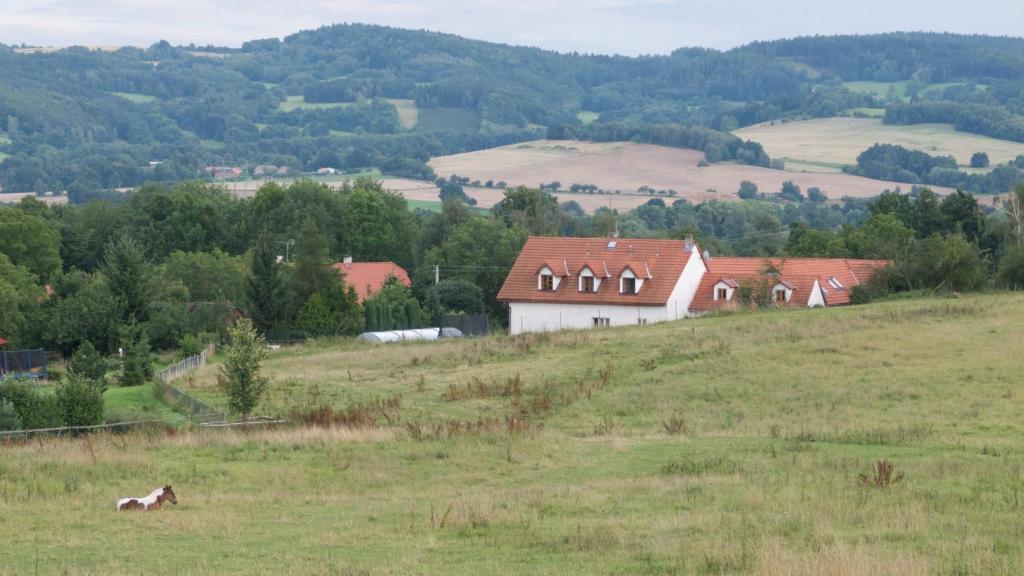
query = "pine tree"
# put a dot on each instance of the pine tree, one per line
(88, 363)
(265, 285)
(313, 271)
(130, 277)
(136, 362)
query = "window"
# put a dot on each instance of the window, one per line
(641, 321)
(587, 284)
(834, 282)
(547, 282)
(629, 285)
(602, 322)
(722, 294)
(780, 294)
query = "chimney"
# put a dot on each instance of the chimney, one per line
(347, 261)
(689, 243)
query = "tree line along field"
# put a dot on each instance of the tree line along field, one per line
(627, 166)
(826, 144)
(730, 444)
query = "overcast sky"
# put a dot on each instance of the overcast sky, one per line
(605, 26)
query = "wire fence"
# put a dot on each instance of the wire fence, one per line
(194, 407)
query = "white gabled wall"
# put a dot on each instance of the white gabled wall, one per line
(682, 295)
(816, 298)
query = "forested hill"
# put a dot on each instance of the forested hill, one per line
(358, 96)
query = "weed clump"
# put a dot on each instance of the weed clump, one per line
(884, 475)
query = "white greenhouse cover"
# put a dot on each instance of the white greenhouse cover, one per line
(416, 334)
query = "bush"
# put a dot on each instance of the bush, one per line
(8, 416)
(1011, 268)
(34, 409)
(81, 401)
(87, 362)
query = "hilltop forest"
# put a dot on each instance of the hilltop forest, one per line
(82, 121)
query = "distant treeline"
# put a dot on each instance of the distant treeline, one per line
(989, 121)
(899, 164)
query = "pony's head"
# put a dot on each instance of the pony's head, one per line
(169, 495)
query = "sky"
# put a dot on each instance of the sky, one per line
(597, 26)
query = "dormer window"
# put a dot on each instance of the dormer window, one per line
(547, 282)
(629, 286)
(724, 288)
(782, 292)
(587, 284)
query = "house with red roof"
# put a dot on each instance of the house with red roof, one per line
(576, 283)
(370, 277)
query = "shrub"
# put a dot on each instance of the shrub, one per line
(8, 416)
(1011, 268)
(87, 362)
(81, 401)
(34, 409)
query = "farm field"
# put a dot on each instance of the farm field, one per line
(831, 142)
(627, 166)
(881, 89)
(411, 189)
(432, 119)
(730, 444)
(408, 113)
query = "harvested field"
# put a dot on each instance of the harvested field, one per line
(821, 145)
(408, 113)
(626, 166)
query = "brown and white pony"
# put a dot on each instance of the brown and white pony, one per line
(155, 499)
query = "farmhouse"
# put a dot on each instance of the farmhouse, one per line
(369, 277)
(575, 283)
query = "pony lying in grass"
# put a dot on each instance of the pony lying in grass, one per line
(155, 499)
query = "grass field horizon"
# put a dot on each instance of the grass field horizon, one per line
(826, 144)
(728, 444)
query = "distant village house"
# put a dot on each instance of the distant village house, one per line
(575, 283)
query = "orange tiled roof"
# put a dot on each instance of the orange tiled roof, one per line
(368, 277)
(798, 273)
(658, 262)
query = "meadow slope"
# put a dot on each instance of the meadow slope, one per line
(726, 445)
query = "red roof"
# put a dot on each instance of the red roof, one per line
(658, 262)
(3, 342)
(369, 277)
(798, 274)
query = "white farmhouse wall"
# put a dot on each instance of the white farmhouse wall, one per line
(817, 298)
(678, 305)
(544, 317)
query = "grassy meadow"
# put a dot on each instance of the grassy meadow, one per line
(299, 102)
(733, 444)
(408, 112)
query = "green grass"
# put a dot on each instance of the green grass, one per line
(137, 403)
(779, 414)
(433, 119)
(424, 205)
(587, 117)
(299, 102)
(134, 97)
